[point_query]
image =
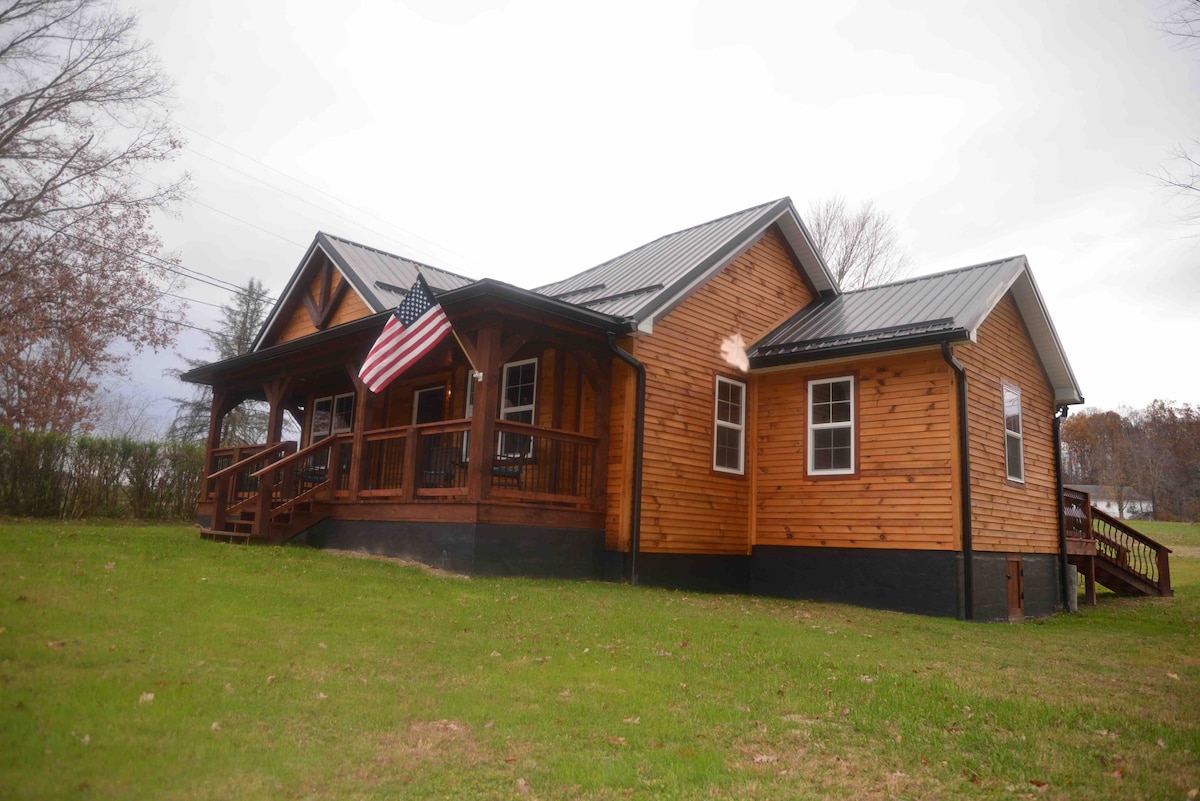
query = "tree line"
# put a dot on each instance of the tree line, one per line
(1153, 452)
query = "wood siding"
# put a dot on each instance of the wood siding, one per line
(687, 507)
(300, 324)
(1007, 516)
(903, 493)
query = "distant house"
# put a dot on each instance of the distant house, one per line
(890, 447)
(1121, 502)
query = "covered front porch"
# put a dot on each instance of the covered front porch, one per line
(504, 426)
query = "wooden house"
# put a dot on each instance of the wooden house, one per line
(891, 447)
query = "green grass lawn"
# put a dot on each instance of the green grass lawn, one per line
(140, 662)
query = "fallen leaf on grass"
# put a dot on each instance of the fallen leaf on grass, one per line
(56, 645)
(522, 787)
(109, 565)
(322, 645)
(616, 740)
(495, 653)
(1173, 676)
(322, 695)
(1040, 785)
(1161, 744)
(270, 679)
(565, 694)
(634, 720)
(216, 726)
(760, 758)
(146, 698)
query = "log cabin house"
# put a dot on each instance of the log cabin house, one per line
(891, 447)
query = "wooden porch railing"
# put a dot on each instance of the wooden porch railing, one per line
(544, 465)
(235, 486)
(1129, 561)
(1132, 550)
(221, 458)
(305, 475)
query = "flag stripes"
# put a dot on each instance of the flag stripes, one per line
(416, 327)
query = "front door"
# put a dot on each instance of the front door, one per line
(429, 405)
(1015, 573)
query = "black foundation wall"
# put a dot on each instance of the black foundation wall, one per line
(695, 572)
(923, 582)
(1043, 595)
(1040, 580)
(470, 548)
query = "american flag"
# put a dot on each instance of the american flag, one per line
(416, 327)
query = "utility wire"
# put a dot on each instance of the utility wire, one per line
(158, 262)
(317, 189)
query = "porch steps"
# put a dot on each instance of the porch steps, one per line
(240, 530)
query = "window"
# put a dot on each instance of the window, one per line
(729, 427)
(517, 404)
(1014, 447)
(831, 426)
(333, 414)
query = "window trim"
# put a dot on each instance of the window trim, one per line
(531, 407)
(851, 424)
(739, 427)
(417, 398)
(330, 428)
(1005, 389)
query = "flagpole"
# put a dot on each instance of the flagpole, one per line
(477, 374)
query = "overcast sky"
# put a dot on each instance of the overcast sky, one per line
(529, 140)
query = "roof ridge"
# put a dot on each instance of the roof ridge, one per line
(394, 255)
(645, 245)
(928, 276)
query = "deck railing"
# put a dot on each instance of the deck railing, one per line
(1132, 550)
(406, 464)
(541, 464)
(236, 486)
(1077, 514)
(221, 458)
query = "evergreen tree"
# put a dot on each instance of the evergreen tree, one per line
(241, 320)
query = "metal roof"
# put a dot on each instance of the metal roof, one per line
(648, 281)
(382, 278)
(929, 309)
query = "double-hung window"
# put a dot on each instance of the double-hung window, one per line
(831, 426)
(729, 426)
(332, 414)
(517, 403)
(1014, 435)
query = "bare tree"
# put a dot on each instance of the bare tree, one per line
(861, 246)
(1183, 22)
(83, 128)
(82, 113)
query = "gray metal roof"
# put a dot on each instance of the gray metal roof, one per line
(925, 310)
(651, 279)
(382, 278)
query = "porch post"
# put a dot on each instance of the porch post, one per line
(483, 423)
(359, 424)
(276, 391)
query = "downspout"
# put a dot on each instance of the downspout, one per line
(639, 427)
(1060, 414)
(964, 462)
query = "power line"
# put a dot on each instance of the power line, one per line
(316, 189)
(158, 262)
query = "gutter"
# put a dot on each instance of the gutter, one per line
(964, 460)
(1060, 414)
(639, 433)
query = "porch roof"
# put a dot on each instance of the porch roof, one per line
(487, 294)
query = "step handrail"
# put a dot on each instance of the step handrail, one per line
(301, 454)
(268, 449)
(1161, 552)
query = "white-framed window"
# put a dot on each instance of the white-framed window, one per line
(1014, 434)
(729, 426)
(333, 414)
(831, 426)
(518, 403)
